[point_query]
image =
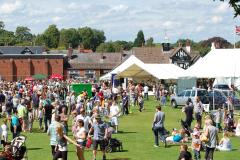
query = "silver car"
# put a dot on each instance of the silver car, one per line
(181, 98)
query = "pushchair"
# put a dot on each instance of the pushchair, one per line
(18, 147)
(15, 150)
(112, 144)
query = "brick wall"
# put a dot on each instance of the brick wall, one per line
(16, 69)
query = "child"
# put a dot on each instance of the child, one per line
(4, 128)
(237, 131)
(225, 143)
(196, 145)
(30, 119)
(140, 102)
(184, 154)
(40, 116)
(177, 136)
(218, 119)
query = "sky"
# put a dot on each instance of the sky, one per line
(122, 19)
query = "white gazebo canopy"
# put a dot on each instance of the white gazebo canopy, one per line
(218, 63)
(135, 68)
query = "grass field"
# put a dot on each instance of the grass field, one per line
(137, 138)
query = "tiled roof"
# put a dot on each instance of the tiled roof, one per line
(20, 49)
(95, 60)
(151, 55)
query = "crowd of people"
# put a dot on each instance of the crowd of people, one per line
(55, 106)
(203, 137)
(94, 116)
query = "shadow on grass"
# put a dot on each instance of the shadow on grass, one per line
(32, 149)
(122, 132)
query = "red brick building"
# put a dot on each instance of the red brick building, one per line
(17, 67)
(24, 62)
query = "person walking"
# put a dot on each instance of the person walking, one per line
(158, 126)
(80, 137)
(15, 125)
(99, 130)
(145, 89)
(125, 103)
(198, 110)
(188, 109)
(47, 110)
(212, 133)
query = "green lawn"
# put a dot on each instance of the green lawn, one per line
(137, 138)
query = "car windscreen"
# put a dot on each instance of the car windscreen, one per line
(223, 87)
(201, 92)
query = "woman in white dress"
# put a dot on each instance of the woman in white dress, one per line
(80, 137)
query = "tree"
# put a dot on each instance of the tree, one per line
(69, 37)
(2, 25)
(40, 40)
(125, 45)
(51, 36)
(219, 41)
(235, 5)
(140, 40)
(91, 38)
(149, 42)
(23, 34)
(7, 38)
(109, 47)
(99, 38)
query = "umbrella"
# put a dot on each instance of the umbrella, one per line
(56, 76)
(29, 79)
(39, 76)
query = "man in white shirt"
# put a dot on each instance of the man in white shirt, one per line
(145, 89)
(113, 115)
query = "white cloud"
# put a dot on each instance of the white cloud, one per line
(56, 19)
(167, 24)
(119, 8)
(200, 28)
(10, 7)
(122, 19)
(222, 8)
(216, 19)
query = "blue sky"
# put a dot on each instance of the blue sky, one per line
(122, 19)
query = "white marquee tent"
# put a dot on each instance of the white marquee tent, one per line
(134, 68)
(218, 63)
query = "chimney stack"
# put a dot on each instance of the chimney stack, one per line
(188, 46)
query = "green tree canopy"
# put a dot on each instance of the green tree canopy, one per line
(140, 40)
(91, 38)
(40, 40)
(7, 38)
(23, 34)
(51, 36)
(69, 37)
(2, 25)
(109, 47)
(149, 42)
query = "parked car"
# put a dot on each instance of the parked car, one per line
(218, 98)
(221, 87)
(181, 98)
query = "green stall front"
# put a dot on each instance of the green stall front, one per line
(78, 88)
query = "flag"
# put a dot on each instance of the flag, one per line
(237, 30)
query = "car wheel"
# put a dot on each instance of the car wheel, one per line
(174, 104)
